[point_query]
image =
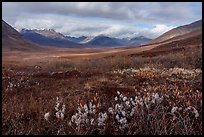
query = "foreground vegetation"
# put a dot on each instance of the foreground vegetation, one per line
(115, 95)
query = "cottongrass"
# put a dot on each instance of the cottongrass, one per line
(180, 72)
(193, 110)
(46, 116)
(60, 112)
(120, 113)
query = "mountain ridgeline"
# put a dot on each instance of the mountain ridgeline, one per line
(53, 38)
(13, 41)
(179, 31)
(34, 40)
(47, 38)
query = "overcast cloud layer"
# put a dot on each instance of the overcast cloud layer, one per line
(116, 19)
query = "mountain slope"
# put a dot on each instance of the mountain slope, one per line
(48, 38)
(12, 40)
(189, 43)
(179, 31)
(52, 38)
(105, 41)
(49, 33)
(76, 40)
(139, 40)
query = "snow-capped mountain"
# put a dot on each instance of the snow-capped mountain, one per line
(103, 40)
(53, 38)
(76, 39)
(50, 33)
(139, 40)
(48, 38)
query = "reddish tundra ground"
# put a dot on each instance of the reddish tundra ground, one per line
(146, 93)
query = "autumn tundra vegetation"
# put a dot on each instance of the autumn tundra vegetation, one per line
(152, 89)
(129, 95)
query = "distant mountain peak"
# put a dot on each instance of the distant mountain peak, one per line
(52, 30)
(140, 38)
(101, 35)
(87, 39)
(51, 33)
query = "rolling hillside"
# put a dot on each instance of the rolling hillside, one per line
(12, 40)
(181, 30)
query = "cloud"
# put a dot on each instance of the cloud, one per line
(115, 19)
(161, 28)
(164, 12)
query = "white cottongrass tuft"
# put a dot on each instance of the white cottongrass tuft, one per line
(101, 119)
(86, 108)
(117, 117)
(193, 110)
(180, 108)
(196, 113)
(92, 121)
(118, 92)
(60, 112)
(110, 110)
(47, 115)
(173, 110)
(124, 98)
(127, 103)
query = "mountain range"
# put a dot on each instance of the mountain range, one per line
(47, 38)
(53, 38)
(34, 40)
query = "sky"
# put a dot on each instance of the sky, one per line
(114, 19)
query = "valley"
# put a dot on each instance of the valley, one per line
(54, 84)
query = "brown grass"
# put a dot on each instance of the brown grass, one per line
(34, 91)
